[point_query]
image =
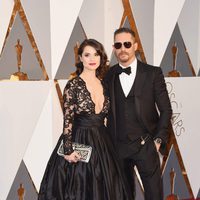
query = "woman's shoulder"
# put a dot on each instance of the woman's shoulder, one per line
(74, 82)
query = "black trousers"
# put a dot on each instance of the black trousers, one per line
(148, 164)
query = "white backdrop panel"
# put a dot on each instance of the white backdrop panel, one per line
(185, 98)
(165, 18)
(6, 7)
(20, 108)
(113, 16)
(143, 11)
(63, 17)
(190, 29)
(38, 15)
(45, 137)
(40, 146)
(92, 18)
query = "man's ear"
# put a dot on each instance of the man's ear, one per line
(135, 46)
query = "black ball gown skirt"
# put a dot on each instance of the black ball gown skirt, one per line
(99, 179)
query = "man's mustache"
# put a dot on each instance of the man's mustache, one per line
(123, 53)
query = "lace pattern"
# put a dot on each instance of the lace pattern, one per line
(77, 100)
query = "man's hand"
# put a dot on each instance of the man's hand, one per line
(157, 146)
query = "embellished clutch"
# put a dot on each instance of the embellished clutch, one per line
(83, 150)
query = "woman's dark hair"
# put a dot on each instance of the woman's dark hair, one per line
(103, 68)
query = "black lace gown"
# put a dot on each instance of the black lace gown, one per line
(100, 178)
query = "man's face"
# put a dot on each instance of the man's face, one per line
(124, 48)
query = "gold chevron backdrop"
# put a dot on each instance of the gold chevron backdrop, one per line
(38, 44)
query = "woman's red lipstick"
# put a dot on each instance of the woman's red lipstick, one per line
(92, 63)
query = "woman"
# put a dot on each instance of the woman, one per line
(85, 109)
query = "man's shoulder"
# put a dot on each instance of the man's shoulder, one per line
(111, 70)
(148, 67)
(113, 67)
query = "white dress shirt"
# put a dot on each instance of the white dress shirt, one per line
(128, 80)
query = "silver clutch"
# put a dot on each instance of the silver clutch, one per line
(83, 150)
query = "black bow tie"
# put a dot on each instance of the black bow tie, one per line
(126, 70)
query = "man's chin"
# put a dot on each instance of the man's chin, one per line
(123, 60)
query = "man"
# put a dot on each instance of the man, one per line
(140, 114)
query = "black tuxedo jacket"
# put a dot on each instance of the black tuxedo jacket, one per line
(151, 99)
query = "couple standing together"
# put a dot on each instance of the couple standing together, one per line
(123, 113)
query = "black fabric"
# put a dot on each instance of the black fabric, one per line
(147, 162)
(101, 177)
(128, 128)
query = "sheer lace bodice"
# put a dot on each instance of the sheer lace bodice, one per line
(77, 100)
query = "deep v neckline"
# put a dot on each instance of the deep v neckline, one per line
(90, 96)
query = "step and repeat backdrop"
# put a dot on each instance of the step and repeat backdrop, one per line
(38, 45)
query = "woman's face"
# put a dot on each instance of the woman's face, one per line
(90, 58)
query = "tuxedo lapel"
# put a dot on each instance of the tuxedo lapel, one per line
(140, 78)
(139, 83)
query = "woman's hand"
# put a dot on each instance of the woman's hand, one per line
(73, 157)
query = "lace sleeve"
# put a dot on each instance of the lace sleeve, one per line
(69, 98)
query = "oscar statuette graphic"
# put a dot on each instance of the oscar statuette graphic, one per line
(172, 196)
(174, 72)
(19, 75)
(20, 192)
